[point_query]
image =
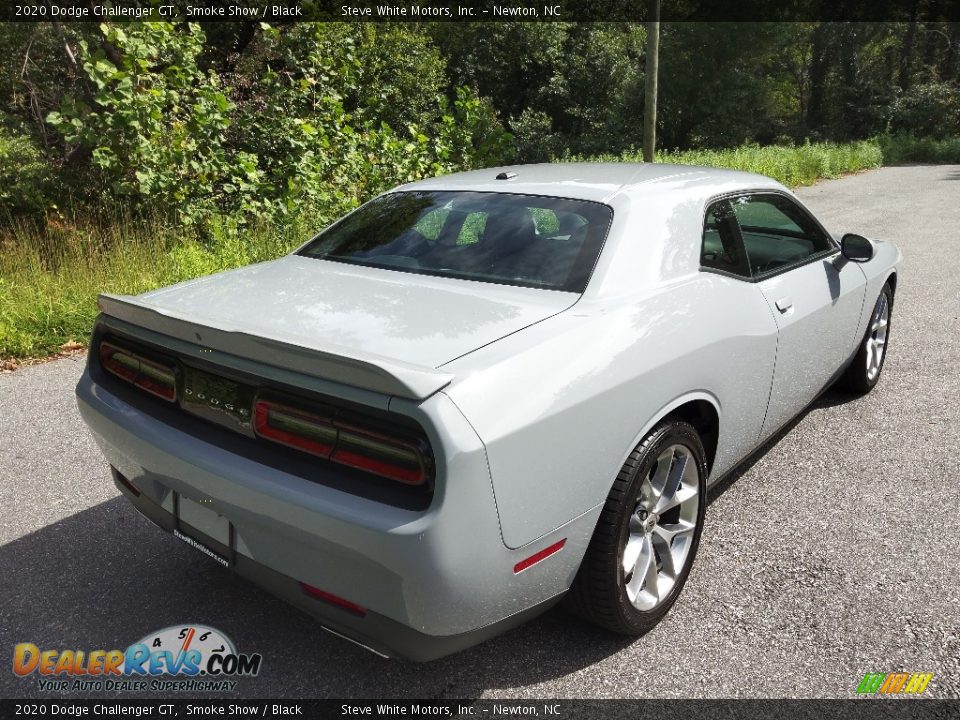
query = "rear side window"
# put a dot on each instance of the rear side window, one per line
(722, 248)
(504, 238)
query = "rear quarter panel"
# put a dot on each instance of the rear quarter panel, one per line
(560, 406)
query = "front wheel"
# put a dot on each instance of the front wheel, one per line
(648, 533)
(864, 371)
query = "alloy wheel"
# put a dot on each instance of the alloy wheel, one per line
(661, 528)
(877, 337)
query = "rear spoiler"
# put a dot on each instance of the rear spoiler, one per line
(327, 362)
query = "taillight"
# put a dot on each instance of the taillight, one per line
(296, 428)
(346, 443)
(380, 455)
(156, 378)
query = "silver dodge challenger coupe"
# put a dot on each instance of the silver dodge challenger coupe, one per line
(480, 394)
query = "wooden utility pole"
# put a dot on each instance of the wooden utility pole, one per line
(650, 90)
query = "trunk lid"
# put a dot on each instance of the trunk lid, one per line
(380, 329)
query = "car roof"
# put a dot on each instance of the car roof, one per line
(596, 181)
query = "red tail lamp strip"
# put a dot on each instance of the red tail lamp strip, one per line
(379, 454)
(334, 600)
(360, 448)
(538, 556)
(278, 422)
(155, 378)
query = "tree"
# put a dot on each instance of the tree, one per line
(155, 123)
(560, 87)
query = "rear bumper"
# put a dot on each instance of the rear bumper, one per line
(372, 631)
(433, 581)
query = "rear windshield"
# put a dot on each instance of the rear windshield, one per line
(526, 240)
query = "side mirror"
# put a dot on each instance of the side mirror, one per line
(856, 248)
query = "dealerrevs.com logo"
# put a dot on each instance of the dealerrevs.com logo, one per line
(180, 658)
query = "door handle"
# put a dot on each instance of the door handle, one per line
(784, 303)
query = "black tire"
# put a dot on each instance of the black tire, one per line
(599, 591)
(857, 378)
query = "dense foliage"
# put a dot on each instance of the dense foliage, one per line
(48, 289)
(135, 155)
(248, 121)
(308, 119)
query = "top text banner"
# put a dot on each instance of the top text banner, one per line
(278, 11)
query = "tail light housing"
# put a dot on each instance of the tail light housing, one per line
(383, 445)
(386, 454)
(157, 378)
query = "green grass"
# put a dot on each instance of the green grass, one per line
(50, 276)
(792, 165)
(901, 149)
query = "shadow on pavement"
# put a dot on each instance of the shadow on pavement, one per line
(832, 397)
(105, 577)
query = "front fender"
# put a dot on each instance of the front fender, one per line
(886, 261)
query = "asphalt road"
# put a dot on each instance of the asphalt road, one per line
(833, 553)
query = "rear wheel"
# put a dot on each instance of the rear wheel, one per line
(647, 536)
(864, 371)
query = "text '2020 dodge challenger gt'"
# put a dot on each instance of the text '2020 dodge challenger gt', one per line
(478, 394)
